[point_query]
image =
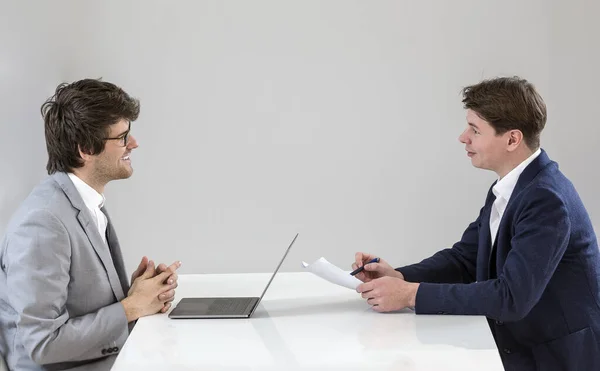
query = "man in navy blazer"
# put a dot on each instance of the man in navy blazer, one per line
(530, 261)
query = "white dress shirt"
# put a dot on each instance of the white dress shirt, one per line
(503, 189)
(94, 202)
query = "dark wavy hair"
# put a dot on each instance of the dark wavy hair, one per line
(78, 116)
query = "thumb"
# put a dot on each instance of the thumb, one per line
(141, 267)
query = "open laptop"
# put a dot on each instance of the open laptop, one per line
(222, 307)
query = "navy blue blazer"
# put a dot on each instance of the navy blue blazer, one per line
(538, 285)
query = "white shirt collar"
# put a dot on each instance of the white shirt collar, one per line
(505, 186)
(91, 198)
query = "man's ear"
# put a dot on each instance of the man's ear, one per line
(515, 137)
(84, 156)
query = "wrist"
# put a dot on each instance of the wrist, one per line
(412, 301)
(399, 274)
(130, 311)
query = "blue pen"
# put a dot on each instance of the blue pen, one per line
(358, 270)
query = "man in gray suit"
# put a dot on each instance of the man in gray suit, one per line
(65, 300)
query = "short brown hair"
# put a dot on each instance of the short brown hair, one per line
(78, 116)
(508, 103)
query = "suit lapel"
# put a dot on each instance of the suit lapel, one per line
(117, 256)
(484, 252)
(87, 223)
(526, 177)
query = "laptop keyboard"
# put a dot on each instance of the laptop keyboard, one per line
(229, 306)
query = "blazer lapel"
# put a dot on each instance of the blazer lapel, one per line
(484, 251)
(117, 256)
(526, 177)
(87, 223)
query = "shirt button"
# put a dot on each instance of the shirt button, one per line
(499, 323)
(507, 351)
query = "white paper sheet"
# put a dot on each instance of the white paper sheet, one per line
(332, 273)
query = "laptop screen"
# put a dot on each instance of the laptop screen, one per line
(276, 269)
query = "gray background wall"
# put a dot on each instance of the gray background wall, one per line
(335, 119)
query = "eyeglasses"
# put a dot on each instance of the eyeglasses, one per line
(123, 138)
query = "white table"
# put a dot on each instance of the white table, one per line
(304, 322)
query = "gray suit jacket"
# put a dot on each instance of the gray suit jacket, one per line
(60, 286)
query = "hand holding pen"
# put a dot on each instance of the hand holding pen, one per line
(368, 267)
(360, 269)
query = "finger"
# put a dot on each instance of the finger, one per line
(161, 268)
(141, 267)
(361, 276)
(167, 272)
(165, 308)
(165, 287)
(170, 299)
(363, 287)
(374, 301)
(162, 277)
(361, 258)
(149, 272)
(378, 308)
(358, 259)
(166, 295)
(373, 267)
(354, 266)
(369, 294)
(173, 278)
